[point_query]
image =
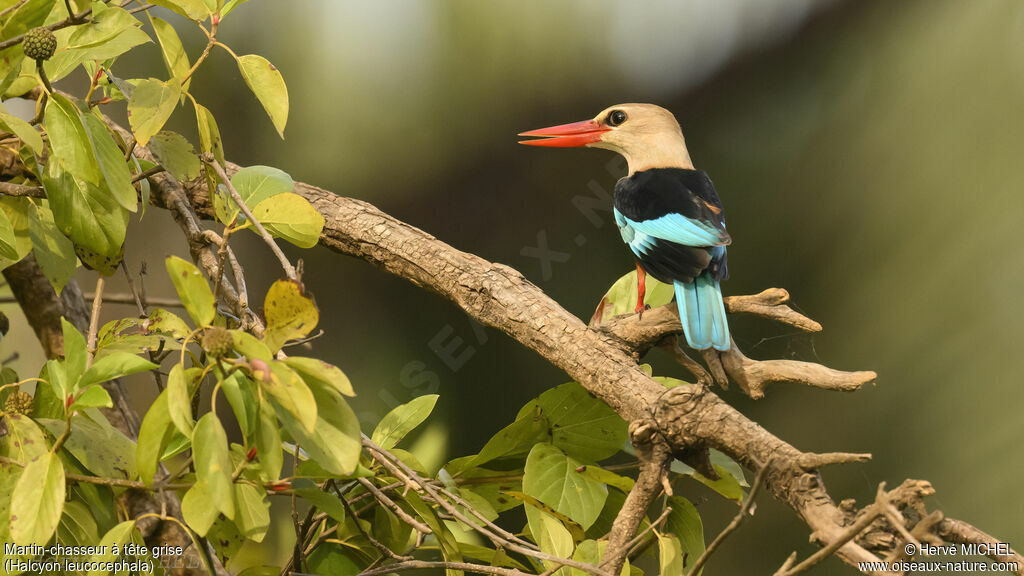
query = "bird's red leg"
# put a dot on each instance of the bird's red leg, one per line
(641, 289)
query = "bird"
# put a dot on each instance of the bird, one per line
(667, 212)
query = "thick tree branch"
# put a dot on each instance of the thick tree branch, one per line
(655, 458)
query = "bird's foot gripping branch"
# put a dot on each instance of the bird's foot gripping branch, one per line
(79, 467)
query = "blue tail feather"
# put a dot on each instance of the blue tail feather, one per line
(702, 313)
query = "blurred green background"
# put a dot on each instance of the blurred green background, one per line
(869, 155)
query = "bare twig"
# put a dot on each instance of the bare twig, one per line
(655, 457)
(426, 565)
(22, 190)
(94, 320)
(391, 505)
(733, 525)
(289, 270)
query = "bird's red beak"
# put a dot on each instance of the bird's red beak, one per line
(567, 135)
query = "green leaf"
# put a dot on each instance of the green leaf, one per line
(115, 365)
(684, 522)
(268, 85)
(110, 32)
(402, 420)
(111, 544)
(25, 441)
(22, 130)
(598, 474)
(670, 555)
(161, 320)
(238, 390)
(15, 210)
(29, 15)
(179, 399)
(89, 215)
(231, 5)
(199, 509)
(175, 57)
(209, 135)
(247, 345)
(552, 537)
(54, 252)
(58, 380)
(75, 353)
(91, 397)
(154, 434)
(254, 184)
(335, 442)
(325, 501)
(77, 527)
(69, 139)
(8, 240)
(268, 443)
(150, 106)
(291, 393)
(37, 500)
(291, 217)
(319, 373)
(253, 511)
(191, 9)
(581, 425)
(213, 463)
(290, 313)
(726, 485)
(194, 292)
(101, 448)
(621, 297)
(516, 439)
(551, 477)
(112, 163)
(176, 155)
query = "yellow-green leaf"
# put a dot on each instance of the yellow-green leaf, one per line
(69, 139)
(291, 217)
(268, 85)
(175, 57)
(176, 155)
(402, 420)
(112, 163)
(194, 292)
(290, 313)
(670, 554)
(8, 241)
(110, 546)
(193, 9)
(213, 462)
(150, 106)
(23, 130)
(179, 399)
(54, 252)
(90, 216)
(38, 500)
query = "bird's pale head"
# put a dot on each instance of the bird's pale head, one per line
(648, 136)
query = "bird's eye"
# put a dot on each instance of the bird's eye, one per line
(616, 117)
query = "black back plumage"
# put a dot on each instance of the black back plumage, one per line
(651, 194)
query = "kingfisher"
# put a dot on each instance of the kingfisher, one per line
(667, 211)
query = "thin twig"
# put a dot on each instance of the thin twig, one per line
(426, 564)
(385, 500)
(289, 270)
(736, 521)
(94, 320)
